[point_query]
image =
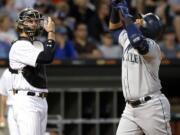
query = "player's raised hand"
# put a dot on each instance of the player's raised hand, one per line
(49, 25)
(122, 6)
(116, 3)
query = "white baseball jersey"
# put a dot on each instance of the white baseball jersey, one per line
(6, 86)
(139, 72)
(24, 53)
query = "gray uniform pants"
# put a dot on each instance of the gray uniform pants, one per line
(150, 118)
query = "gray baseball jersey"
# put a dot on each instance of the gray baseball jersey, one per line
(139, 72)
(139, 79)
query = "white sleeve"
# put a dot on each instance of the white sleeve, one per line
(123, 39)
(25, 53)
(154, 49)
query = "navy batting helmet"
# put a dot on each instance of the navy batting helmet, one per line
(151, 27)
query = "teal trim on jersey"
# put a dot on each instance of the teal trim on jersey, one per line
(166, 127)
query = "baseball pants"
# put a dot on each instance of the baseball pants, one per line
(30, 114)
(150, 118)
(13, 128)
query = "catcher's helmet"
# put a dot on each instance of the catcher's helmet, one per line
(28, 14)
(151, 27)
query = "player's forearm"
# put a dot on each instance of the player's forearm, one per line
(135, 36)
(115, 25)
(114, 22)
(46, 56)
(51, 35)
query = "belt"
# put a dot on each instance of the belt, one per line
(30, 93)
(136, 103)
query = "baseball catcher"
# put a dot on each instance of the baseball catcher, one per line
(27, 59)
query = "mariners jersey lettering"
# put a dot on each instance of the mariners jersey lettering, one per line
(139, 72)
(24, 53)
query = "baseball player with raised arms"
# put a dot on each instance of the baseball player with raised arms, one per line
(6, 90)
(147, 110)
(27, 60)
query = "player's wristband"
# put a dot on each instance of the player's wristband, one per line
(51, 31)
(50, 43)
(128, 21)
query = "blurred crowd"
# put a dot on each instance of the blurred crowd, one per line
(82, 26)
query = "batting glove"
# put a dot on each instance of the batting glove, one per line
(122, 6)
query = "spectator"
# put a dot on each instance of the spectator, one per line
(169, 13)
(56, 1)
(80, 11)
(9, 7)
(165, 13)
(108, 49)
(62, 9)
(146, 6)
(4, 50)
(175, 6)
(137, 6)
(178, 51)
(62, 19)
(168, 45)
(150, 5)
(178, 54)
(84, 48)
(1, 4)
(41, 6)
(7, 34)
(65, 48)
(20, 4)
(98, 23)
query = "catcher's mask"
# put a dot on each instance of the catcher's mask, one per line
(28, 15)
(152, 26)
